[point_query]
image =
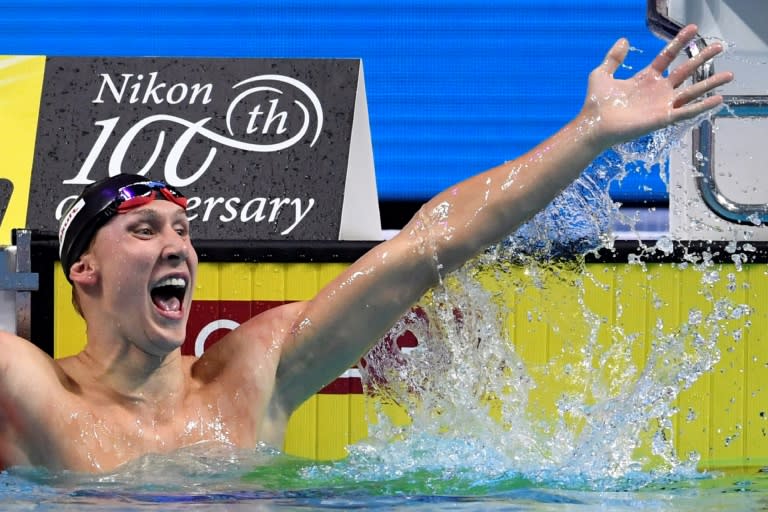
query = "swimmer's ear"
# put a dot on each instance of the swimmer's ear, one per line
(83, 271)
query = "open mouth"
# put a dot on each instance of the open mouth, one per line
(168, 294)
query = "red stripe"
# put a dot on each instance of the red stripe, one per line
(204, 312)
(344, 386)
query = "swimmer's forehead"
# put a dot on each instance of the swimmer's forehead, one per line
(152, 213)
(155, 209)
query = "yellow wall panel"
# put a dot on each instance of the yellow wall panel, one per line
(694, 422)
(235, 281)
(333, 426)
(327, 272)
(207, 285)
(69, 327)
(728, 381)
(531, 329)
(269, 281)
(757, 368)
(631, 291)
(301, 280)
(358, 418)
(21, 84)
(301, 434)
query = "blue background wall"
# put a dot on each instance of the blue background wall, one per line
(454, 87)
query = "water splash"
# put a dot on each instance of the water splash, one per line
(476, 409)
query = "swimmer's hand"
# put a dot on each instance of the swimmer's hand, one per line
(617, 111)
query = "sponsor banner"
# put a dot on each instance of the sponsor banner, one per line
(263, 148)
(211, 320)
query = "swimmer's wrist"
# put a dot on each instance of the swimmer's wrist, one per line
(586, 132)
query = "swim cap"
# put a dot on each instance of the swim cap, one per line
(99, 202)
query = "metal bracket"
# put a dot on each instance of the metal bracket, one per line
(704, 156)
(21, 280)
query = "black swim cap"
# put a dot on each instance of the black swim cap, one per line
(97, 203)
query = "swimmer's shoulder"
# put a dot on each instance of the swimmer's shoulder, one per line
(14, 347)
(22, 362)
(260, 337)
(270, 326)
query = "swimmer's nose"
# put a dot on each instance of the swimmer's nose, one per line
(176, 247)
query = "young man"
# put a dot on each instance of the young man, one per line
(126, 249)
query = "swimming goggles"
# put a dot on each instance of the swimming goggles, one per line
(143, 192)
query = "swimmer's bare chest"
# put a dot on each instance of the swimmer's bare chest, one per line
(89, 434)
(93, 441)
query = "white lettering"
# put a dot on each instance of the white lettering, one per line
(253, 114)
(258, 216)
(273, 115)
(210, 203)
(108, 126)
(300, 214)
(116, 160)
(136, 90)
(197, 89)
(252, 210)
(172, 162)
(133, 88)
(276, 205)
(192, 204)
(230, 209)
(182, 88)
(153, 90)
(149, 88)
(309, 93)
(117, 94)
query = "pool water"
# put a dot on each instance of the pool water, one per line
(222, 478)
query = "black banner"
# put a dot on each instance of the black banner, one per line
(6, 189)
(260, 147)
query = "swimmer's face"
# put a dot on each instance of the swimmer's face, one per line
(146, 267)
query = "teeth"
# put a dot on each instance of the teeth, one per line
(172, 281)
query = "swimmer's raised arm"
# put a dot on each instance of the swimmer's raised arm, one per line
(335, 329)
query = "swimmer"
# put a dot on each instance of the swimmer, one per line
(126, 249)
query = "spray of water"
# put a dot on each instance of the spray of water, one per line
(477, 413)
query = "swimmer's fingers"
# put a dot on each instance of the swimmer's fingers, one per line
(672, 50)
(698, 89)
(615, 57)
(692, 110)
(685, 70)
